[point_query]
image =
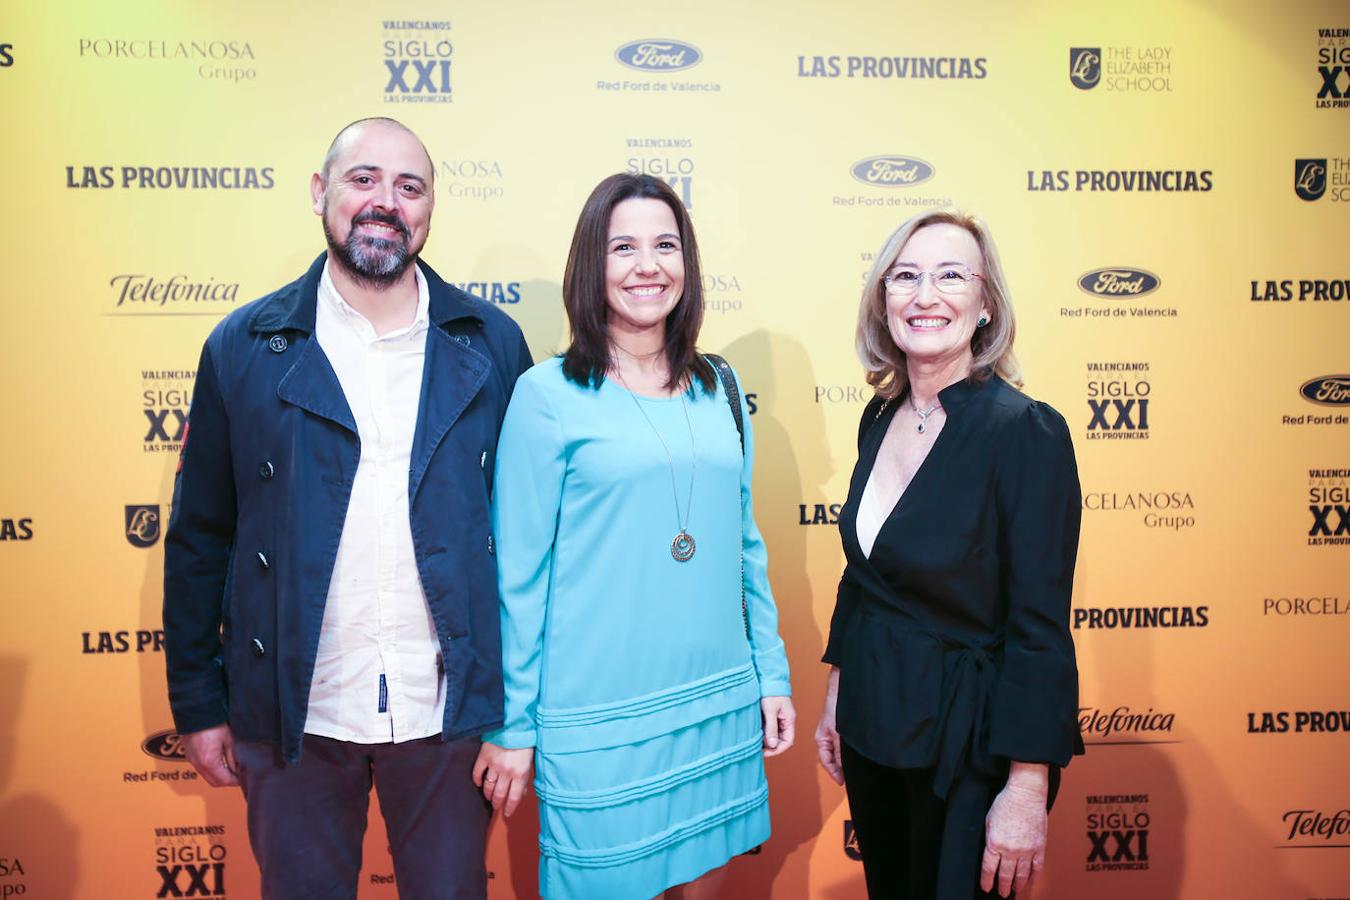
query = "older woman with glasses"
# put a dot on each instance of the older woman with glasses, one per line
(953, 690)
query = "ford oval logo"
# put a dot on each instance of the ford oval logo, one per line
(165, 745)
(1328, 390)
(892, 171)
(658, 55)
(1119, 281)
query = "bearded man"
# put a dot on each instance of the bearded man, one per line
(330, 594)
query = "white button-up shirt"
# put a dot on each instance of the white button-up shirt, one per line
(378, 676)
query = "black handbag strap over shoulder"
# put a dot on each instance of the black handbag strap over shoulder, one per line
(724, 374)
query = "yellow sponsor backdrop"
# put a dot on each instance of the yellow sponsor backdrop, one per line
(763, 150)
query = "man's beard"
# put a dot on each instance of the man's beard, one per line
(375, 262)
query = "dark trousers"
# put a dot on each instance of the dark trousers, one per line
(913, 845)
(306, 822)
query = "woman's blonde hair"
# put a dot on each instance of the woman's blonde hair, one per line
(991, 345)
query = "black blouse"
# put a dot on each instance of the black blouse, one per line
(952, 640)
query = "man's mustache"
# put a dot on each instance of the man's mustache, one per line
(389, 219)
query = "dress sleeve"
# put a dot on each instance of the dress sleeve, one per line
(197, 551)
(527, 494)
(1035, 703)
(766, 646)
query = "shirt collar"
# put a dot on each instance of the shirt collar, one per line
(329, 296)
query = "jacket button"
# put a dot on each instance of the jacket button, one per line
(262, 560)
(491, 547)
(277, 343)
(266, 470)
(258, 647)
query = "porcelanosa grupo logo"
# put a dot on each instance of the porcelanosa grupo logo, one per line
(1085, 67)
(1328, 390)
(214, 59)
(1310, 178)
(658, 55)
(892, 171)
(1118, 281)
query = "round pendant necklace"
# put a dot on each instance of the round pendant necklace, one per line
(923, 416)
(682, 547)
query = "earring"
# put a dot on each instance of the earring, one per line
(982, 321)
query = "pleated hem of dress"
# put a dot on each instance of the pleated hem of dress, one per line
(578, 729)
(639, 871)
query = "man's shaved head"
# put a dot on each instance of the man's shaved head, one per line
(340, 141)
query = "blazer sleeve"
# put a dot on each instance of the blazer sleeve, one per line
(766, 646)
(846, 600)
(531, 461)
(197, 551)
(1034, 711)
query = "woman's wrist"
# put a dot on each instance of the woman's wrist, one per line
(1029, 779)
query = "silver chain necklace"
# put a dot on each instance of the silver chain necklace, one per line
(682, 547)
(923, 416)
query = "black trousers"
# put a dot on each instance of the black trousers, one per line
(306, 823)
(915, 846)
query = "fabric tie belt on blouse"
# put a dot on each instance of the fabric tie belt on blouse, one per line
(966, 693)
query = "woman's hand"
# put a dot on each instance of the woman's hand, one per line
(1014, 830)
(780, 724)
(827, 739)
(504, 775)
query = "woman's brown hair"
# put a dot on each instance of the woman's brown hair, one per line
(588, 357)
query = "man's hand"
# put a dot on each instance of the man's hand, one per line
(504, 775)
(211, 752)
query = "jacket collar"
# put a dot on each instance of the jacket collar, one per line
(961, 392)
(293, 308)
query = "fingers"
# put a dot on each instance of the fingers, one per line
(1037, 866)
(988, 869)
(787, 727)
(770, 727)
(828, 753)
(216, 772)
(1023, 874)
(480, 766)
(211, 753)
(231, 761)
(1007, 868)
(489, 783)
(513, 795)
(500, 788)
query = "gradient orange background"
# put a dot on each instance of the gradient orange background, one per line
(769, 151)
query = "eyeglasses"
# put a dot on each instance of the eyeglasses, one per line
(949, 279)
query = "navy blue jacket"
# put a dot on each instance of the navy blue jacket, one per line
(262, 492)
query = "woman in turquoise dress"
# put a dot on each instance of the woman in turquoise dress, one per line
(645, 678)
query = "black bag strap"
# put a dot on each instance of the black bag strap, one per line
(724, 374)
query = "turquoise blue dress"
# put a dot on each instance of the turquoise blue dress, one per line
(630, 673)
